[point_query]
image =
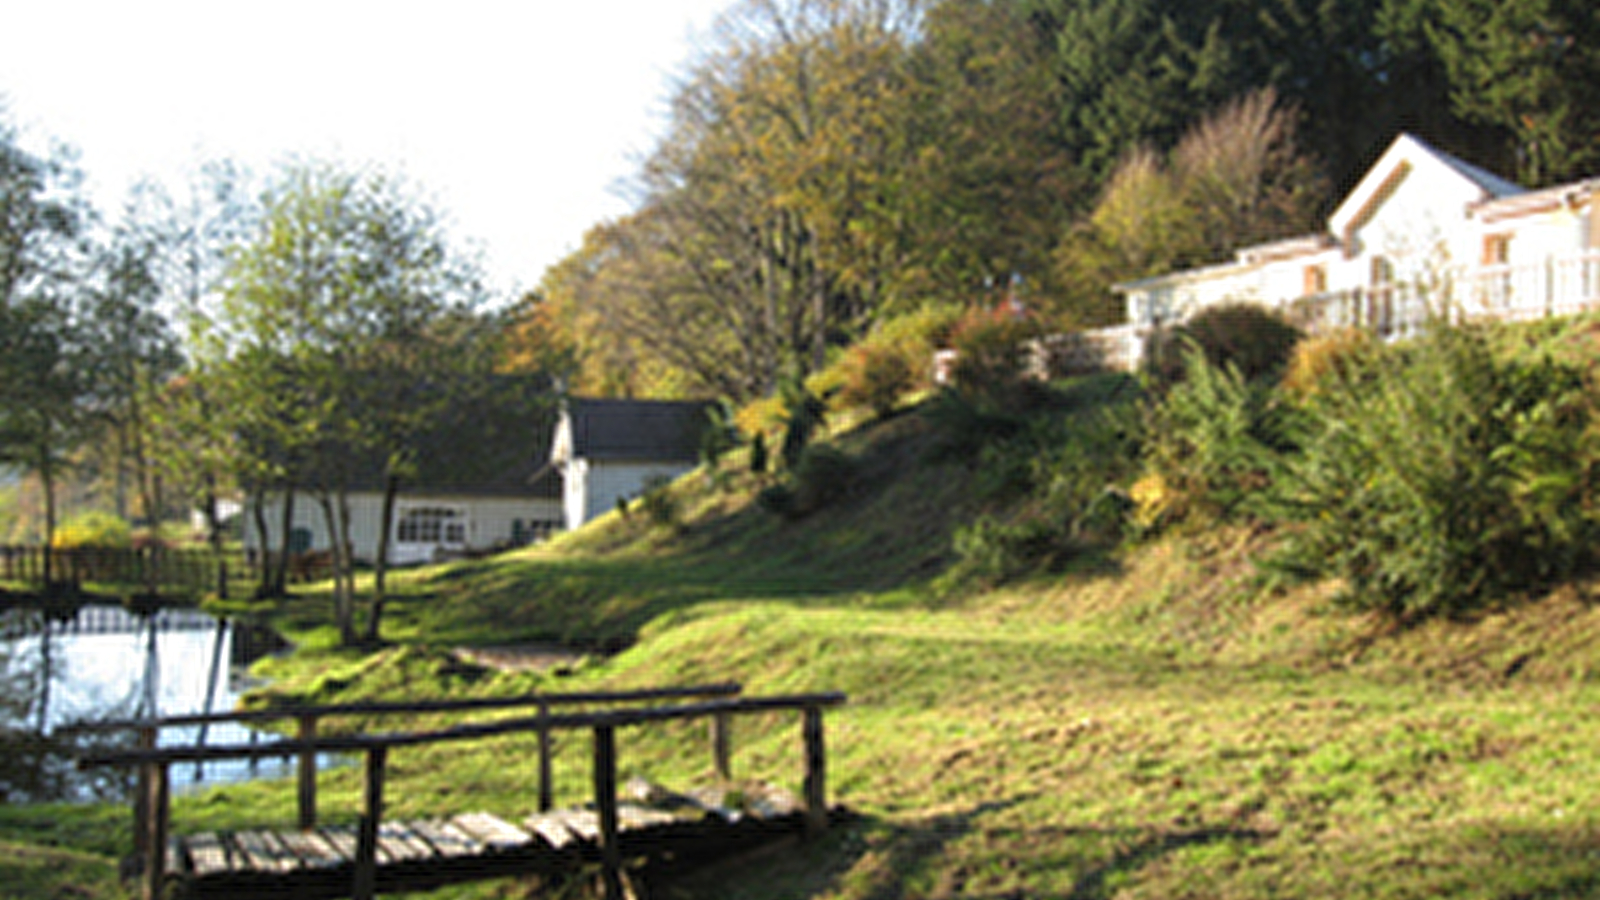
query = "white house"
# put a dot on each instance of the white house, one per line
(1421, 233)
(481, 484)
(608, 450)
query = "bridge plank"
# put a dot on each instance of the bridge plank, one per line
(261, 853)
(341, 839)
(311, 850)
(496, 833)
(632, 817)
(398, 842)
(449, 843)
(585, 823)
(208, 854)
(549, 828)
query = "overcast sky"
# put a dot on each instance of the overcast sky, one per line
(518, 119)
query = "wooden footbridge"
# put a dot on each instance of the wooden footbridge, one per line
(374, 856)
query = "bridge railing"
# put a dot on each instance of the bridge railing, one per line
(152, 799)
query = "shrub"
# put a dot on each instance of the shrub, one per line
(1254, 340)
(101, 530)
(1318, 361)
(823, 476)
(875, 376)
(658, 502)
(1441, 477)
(992, 357)
(758, 454)
(804, 413)
(720, 436)
(991, 551)
(1212, 443)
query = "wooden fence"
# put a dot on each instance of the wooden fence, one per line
(184, 571)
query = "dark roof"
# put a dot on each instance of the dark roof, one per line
(494, 442)
(638, 429)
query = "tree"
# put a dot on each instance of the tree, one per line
(1531, 68)
(43, 361)
(196, 448)
(1236, 178)
(137, 352)
(988, 186)
(354, 322)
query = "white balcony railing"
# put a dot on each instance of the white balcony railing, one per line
(1557, 286)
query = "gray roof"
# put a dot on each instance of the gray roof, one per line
(1490, 183)
(656, 430)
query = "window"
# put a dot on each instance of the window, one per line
(1316, 280)
(1496, 249)
(1382, 271)
(432, 525)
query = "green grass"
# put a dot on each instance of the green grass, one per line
(1151, 723)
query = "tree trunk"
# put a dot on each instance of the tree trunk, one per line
(280, 576)
(47, 483)
(391, 490)
(258, 511)
(344, 562)
(214, 535)
(342, 613)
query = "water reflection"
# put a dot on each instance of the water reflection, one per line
(103, 664)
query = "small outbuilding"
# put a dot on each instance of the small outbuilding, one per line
(608, 450)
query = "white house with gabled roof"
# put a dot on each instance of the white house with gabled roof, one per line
(1421, 233)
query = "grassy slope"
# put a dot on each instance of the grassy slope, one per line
(1146, 726)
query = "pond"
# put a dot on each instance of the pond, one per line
(108, 664)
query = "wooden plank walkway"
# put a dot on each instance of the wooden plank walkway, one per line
(415, 855)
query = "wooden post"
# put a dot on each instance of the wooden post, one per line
(366, 875)
(546, 790)
(605, 800)
(721, 728)
(308, 773)
(816, 783)
(141, 796)
(155, 854)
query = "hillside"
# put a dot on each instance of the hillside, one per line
(1134, 720)
(1144, 721)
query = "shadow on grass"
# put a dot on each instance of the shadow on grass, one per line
(874, 859)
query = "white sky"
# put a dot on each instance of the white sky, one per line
(517, 119)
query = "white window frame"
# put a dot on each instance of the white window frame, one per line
(432, 525)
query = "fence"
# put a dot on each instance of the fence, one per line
(182, 571)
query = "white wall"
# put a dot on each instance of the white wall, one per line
(593, 486)
(489, 519)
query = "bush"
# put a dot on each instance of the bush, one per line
(875, 376)
(1326, 358)
(658, 502)
(1254, 340)
(100, 530)
(804, 414)
(824, 475)
(758, 454)
(1212, 443)
(992, 358)
(1440, 477)
(991, 551)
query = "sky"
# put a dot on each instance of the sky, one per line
(520, 120)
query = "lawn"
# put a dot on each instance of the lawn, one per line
(1148, 722)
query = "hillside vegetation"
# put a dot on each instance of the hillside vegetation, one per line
(1094, 716)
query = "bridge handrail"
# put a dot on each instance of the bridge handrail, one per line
(368, 742)
(398, 708)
